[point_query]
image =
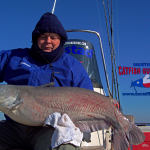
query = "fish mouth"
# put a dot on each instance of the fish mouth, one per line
(16, 104)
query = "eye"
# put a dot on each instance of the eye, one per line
(53, 37)
(42, 36)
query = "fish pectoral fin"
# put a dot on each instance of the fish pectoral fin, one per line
(15, 105)
(50, 84)
(92, 125)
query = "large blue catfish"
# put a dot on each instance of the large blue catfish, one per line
(90, 111)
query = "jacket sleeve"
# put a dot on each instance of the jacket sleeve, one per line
(81, 78)
(4, 57)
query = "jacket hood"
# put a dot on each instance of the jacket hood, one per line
(49, 23)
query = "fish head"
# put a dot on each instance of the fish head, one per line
(138, 83)
(8, 95)
(3, 89)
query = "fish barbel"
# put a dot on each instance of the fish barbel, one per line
(89, 110)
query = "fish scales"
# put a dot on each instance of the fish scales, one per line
(73, 98)
(90, 111)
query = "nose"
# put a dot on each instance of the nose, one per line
(48, 39)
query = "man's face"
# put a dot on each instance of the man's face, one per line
(48, 41)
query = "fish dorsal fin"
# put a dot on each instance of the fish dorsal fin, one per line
(114, 101)
(91, 126)
(50, 84)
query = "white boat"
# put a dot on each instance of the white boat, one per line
(84, 52)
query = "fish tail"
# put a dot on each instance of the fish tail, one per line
(121, 141)
(136, 136)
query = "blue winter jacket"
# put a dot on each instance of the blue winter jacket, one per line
(18, 68)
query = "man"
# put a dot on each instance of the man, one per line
(45, 62)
